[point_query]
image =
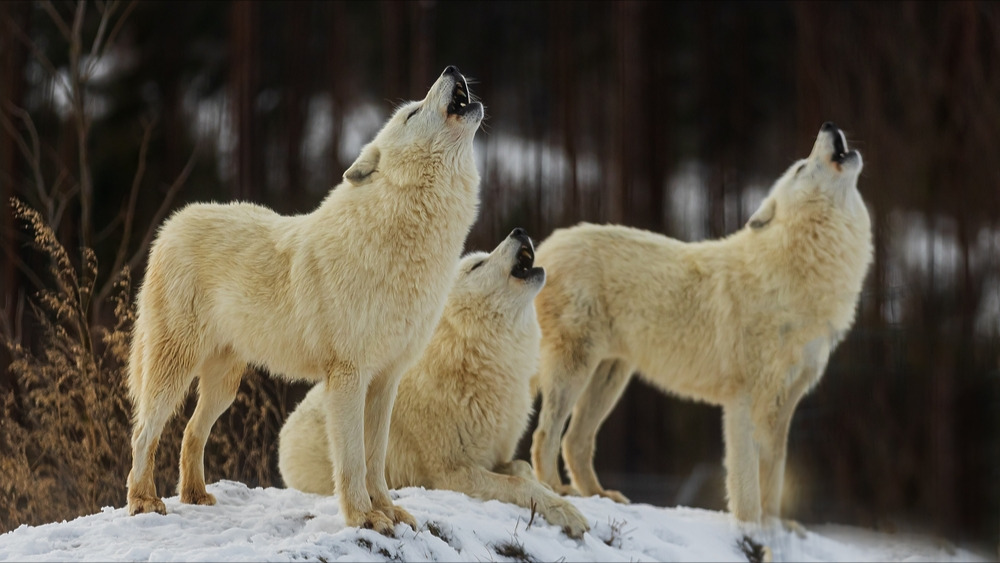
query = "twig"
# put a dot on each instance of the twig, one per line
(32, 154)
(64, 198)
(23, 267)
(106, 13)
(12, 334)
(133, 197)
(82, 126)
(118, 26)
(164, 207)
(108, 229)
(57, 19)
(140, 252)
(40, 56)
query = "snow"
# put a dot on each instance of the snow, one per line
(286, 525)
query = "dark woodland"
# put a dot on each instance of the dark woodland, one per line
(669, 116)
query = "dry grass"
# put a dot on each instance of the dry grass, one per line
(65, 426)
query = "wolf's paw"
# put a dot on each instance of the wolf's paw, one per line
(566, 490)
(566, 516)
(144, 505)
(615, 496)
(373, 520)
(398, 515)
(203, 498)
(795, 527)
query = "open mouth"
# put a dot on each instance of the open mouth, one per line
(525, 262)
(840, 152)
(839, 148)
(524, 267)
(460, 101)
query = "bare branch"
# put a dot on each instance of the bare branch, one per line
(133, 198)
(54, 199)
(82, 127)
(32, 154)
(106, 14)
(12, 333)
(64, 200)
(75, 40)
(108, 229)
(162, 211)
(40, 56)
(57, 19)
(118, 26)
(23, 267)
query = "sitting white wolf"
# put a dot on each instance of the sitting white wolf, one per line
(463, 407)
(747, 322)
(348, 295)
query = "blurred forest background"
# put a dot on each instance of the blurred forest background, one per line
(670, 116)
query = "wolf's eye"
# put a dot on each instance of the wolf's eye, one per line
(412, 113)
(476, 265)
(799, 169)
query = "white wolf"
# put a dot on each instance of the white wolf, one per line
(746, 322)
(464, 405)
(348, 294)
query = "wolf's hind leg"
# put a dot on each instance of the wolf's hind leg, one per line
(219, 379)
(167, 375)
(591, 410)
(562, 377)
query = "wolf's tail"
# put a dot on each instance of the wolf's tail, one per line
(134, 380)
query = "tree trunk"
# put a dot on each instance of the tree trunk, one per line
(244, 16)
(339, 67)
(12, 86)
(392, 46)
(296, 100)
(422, 43)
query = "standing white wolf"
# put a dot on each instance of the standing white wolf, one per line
(464, 405)
(746, 322)
(348, 295)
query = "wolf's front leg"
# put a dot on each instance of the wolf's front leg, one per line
(345, 418)
(378, 413)
(742, 462)
(517, 468)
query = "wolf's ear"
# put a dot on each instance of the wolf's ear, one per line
(763, 215)
(360, 172)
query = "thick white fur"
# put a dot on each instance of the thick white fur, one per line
(462, 408)
(348, 295)
(746, 322)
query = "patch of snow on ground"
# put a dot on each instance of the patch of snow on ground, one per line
(287, 525)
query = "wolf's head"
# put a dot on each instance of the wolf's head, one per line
(825, 181)
(502, 283)
(424, 139)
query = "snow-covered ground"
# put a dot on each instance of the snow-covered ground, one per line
(286, 525)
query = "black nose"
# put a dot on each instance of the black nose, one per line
(451, 69)
(518, 232)
(828, 126)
